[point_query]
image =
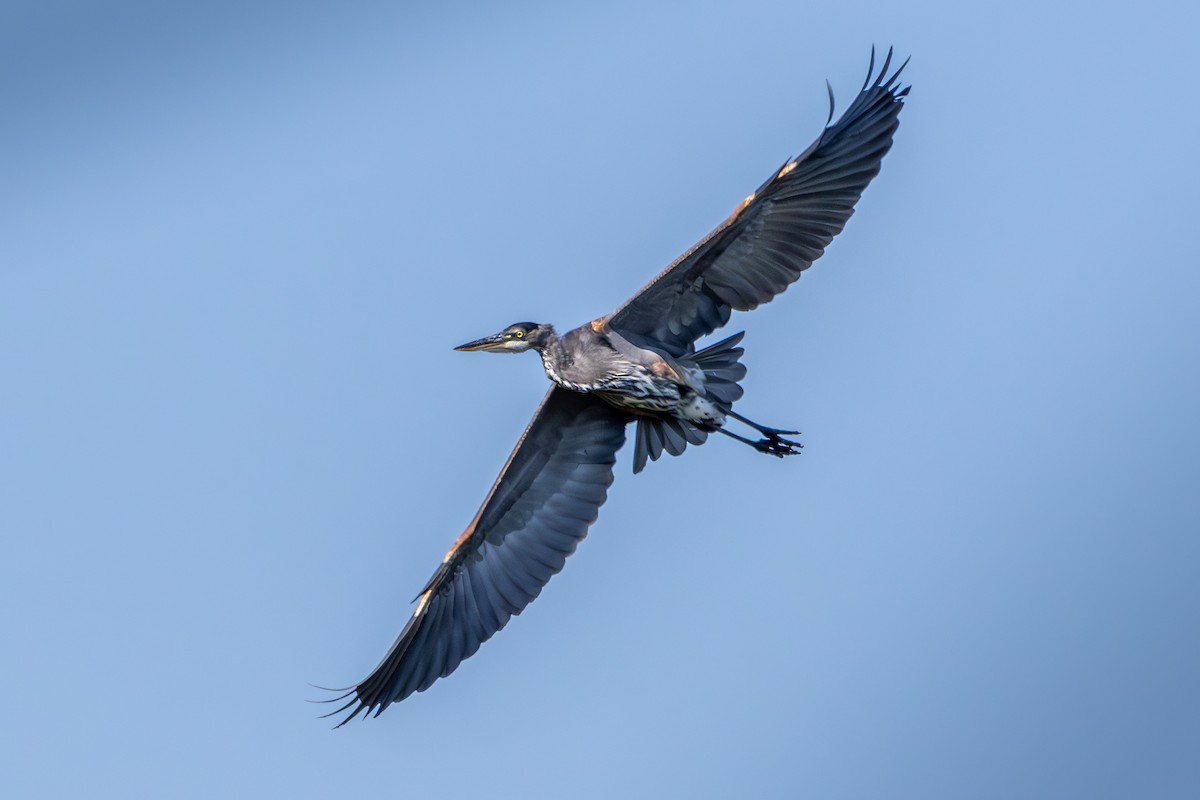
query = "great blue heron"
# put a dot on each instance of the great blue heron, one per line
(637, 364)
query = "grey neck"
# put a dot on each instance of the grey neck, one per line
(555, 358)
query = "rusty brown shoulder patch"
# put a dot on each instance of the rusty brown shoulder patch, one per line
(664, 370)
(743, 205)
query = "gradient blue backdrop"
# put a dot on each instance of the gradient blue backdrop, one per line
(238, 242)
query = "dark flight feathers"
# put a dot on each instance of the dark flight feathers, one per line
(556, 479)
(539, 509)
(776, 234)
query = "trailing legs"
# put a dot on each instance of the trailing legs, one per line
(774, 444)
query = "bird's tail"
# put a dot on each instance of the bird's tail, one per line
(722, 371)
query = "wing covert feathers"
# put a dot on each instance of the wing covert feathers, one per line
(537, 512)
(775, 233)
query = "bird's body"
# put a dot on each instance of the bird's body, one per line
(676, 401)
(637, 364)
(597, 360)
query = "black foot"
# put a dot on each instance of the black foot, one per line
(775, 432)
(776, 445)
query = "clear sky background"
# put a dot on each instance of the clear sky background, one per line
(238, 241)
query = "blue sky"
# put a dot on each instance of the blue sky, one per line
(237, 245)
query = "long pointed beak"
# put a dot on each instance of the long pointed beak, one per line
(494, 342)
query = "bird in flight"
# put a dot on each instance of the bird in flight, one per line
(638, 364)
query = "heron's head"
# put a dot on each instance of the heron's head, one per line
(516, 338)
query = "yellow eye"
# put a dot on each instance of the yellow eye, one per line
(519, 334)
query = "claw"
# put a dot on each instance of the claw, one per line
(778, 446)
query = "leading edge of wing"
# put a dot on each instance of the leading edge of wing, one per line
(538, 510)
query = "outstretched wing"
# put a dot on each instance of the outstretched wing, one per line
(776, 233)
(539, 509)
